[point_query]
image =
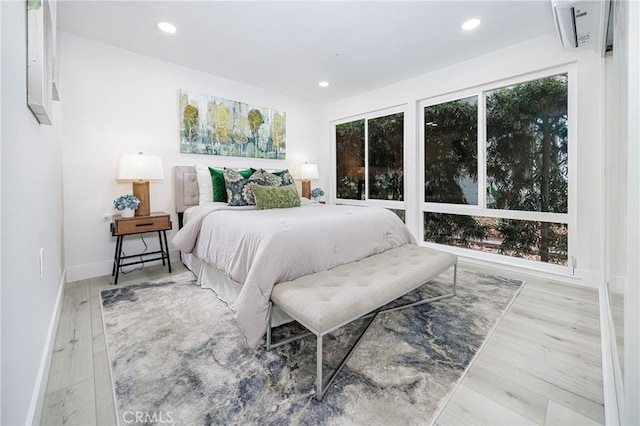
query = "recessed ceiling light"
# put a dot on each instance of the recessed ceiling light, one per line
(323, 84)
(167, 27)
(470, 24)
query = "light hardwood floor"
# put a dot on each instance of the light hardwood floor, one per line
(542, 365)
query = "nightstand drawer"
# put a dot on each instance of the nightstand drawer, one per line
(141, 224)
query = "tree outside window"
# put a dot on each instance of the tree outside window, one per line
(350, 140)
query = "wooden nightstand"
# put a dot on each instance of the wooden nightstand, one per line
(158, 222)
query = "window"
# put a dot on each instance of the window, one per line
(350, 143)
(496, 167)
(451, 148)
(369, 158)
(527, 156)
(385, 142)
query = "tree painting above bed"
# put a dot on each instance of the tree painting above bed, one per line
(217, 126)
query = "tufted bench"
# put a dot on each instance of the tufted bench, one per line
(327, 300)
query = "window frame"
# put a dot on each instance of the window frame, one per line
(388, 204)
(570, 218)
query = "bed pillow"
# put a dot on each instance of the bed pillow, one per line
(219, 185)
(269, 178)
(239, 192)
(279, 178)
(285, 177)
(205, 189)
(275, 197)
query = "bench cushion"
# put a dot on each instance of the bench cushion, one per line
(329, 299)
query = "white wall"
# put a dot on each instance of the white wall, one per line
(632, 290)
(533, 55)
(116, 101)
(31, 219)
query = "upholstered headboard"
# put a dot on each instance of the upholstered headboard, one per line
(186, 189)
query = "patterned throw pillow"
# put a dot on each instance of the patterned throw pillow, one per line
(283, 177)
(275, 197)
(238, 190)
(286, 178)
(269, 178)
(219, 185)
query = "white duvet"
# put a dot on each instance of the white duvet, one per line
(260, 248)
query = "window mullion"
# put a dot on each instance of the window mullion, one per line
(482, 150)
(366, 159)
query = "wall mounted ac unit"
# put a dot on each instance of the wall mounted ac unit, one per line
(574, 22)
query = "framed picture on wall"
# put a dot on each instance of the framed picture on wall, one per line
(41, 58)
(217, 126)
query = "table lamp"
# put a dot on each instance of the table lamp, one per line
(140, 169)
(306, 172)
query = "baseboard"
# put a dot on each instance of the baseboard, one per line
(582, 278)
(611, 377)
(589, 278)
(617, 284)
(40, 389)
(98, 269)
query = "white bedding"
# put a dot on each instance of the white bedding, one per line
(260, 248)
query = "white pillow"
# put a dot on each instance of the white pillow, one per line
(205, 187)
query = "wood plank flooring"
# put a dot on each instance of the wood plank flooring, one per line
(542, 365)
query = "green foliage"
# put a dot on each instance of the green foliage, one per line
(126, 201)
(386, 150)
(527, 158)
(523, 238)
(350, 159)
(452, 229)
(451, 149)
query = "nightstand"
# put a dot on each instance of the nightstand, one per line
(158, 222)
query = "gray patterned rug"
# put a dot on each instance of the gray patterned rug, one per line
(177, 357)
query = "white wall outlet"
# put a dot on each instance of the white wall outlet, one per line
(106, 217)
(42, 263)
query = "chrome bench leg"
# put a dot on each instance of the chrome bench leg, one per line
(319, 388)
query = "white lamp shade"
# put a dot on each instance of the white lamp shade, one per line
(140, 167)
(306, 171)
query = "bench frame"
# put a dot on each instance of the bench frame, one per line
(321, 388)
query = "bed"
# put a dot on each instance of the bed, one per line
(241, 252)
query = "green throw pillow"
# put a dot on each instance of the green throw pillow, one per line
(275, 197)
(217, 180)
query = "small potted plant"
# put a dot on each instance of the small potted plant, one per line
(126, 204)
(316, 193)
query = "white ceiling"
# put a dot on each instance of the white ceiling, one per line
(288, 47)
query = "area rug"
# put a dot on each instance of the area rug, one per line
(177, 357)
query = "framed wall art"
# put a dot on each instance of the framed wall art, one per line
(218, 126)
(41, 58)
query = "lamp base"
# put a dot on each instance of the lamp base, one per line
(306, 188)
(141, 192)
